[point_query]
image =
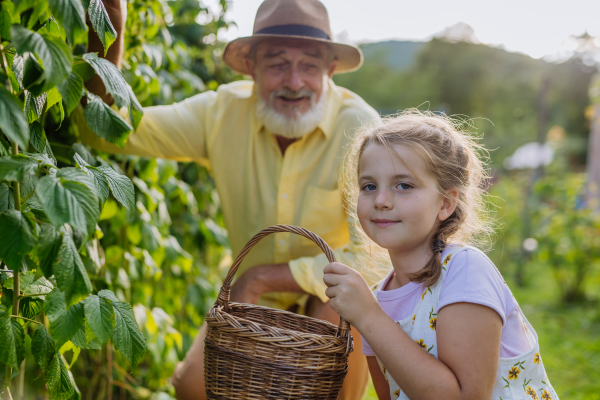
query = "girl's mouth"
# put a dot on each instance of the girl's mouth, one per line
(383, 223)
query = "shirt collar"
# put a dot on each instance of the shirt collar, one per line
(332, 107)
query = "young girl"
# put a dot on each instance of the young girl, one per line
(443, 324)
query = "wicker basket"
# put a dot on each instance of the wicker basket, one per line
(254, 352)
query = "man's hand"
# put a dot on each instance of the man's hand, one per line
(262, 279)
(349, 294)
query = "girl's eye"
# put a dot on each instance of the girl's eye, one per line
(369, 187)
(403, 186)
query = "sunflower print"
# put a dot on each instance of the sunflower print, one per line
(383, 369)
(447, 259)
(421, 343)
(536, 358)
(414, 319)
(530, 391)
(374, 287)
(423, 295)
(432, 323)
(546, 395)
(513, 373)
(397, 393)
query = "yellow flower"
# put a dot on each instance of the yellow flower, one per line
(546, 395)
(447, 259)
(397, 393)
(414, 318)
(374, 286)
(423, 295)
(513, 373)
(433, 322)
(421, 343)
(536, 358)
(530, 391)
(383, 368)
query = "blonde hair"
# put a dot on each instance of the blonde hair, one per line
(452, 157)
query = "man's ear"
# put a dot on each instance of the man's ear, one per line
(332, 67)
(250, 68)
(449, 202)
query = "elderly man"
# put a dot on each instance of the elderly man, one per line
(275, 147)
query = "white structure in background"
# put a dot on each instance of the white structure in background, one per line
(530, 156)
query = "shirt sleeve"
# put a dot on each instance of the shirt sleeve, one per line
(176, 131)
(366, 349)
(473, 278)
(308, 271)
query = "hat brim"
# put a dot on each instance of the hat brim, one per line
(349, 58)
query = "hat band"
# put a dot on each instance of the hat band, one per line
(294, 30)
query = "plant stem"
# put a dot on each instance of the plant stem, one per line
(16, 185)
(26, 319)
(21, 386)
(23, 296)
(109, 368)
(5, 64)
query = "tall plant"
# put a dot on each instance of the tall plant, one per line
(72, 260)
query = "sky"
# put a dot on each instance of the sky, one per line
(538, 28)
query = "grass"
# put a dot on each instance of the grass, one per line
(569, 335)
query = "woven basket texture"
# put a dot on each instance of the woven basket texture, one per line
(255, 352)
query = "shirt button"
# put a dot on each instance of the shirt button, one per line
(284, 196)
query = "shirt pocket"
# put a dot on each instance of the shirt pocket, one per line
(323, 213)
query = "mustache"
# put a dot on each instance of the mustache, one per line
(293, 94)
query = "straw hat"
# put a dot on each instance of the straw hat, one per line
(294, 19)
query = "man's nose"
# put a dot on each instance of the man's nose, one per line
(384, 200)
(293, 79)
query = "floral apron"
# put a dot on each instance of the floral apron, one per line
(521, 377)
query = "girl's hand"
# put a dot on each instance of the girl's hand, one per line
(349, 294)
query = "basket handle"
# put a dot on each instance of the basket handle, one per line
(223, 299)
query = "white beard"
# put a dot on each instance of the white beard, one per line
(299, 124)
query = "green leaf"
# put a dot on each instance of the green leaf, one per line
(111, 77)
(70, 14)
(53, 97)
(48, 247)
(135, 109)
(34, 106)
(16, 238)
(108, 294)
(76, 175)
(69, 271)
(38, 136)
(7, 198)
(42, 347)
(64, 323)
(55, 54)
(105, 122)
(12, 345)
(69, 202)
(16, 168)
(56, 374)
(121, 187)
(100, 316)
(99, 180)
(32, 75)
(30, 285)
(85, 338)
(12, 119)
(8, 16)
(71, 91)
(101, 23)
(128, 339)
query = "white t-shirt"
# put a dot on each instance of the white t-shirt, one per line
(471, 278)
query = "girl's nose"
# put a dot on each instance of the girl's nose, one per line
(384, 200)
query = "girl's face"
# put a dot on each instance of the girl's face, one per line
(396, 210)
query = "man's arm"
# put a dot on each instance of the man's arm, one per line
(117, 12)
(262, 279)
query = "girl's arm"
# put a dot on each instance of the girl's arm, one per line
(382, 388)
(468, 337)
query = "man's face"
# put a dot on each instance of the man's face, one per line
(290, 74)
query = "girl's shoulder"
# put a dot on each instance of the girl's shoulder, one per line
(470, 276)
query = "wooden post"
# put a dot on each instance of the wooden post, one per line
(593, 159)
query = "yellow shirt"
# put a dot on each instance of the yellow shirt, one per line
(257, 185)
